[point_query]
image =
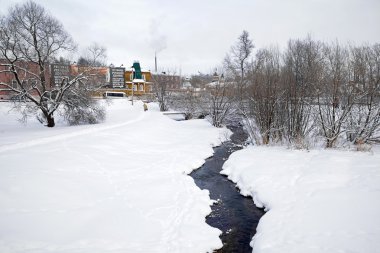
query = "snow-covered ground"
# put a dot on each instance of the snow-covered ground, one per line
(119, 186)
(317, 201)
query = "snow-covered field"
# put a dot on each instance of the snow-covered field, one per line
(317, 201)
(119, 186)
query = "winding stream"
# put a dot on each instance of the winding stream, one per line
(236, 215)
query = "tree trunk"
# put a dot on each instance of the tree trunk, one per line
(50, 121)
(266, 139)
(330, 143)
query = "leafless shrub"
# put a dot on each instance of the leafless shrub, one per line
(80, 108)
(187, 101)
(363, 121)
(161, 87)
(263, 106)
(220, 102)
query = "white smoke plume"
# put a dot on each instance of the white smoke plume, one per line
(158, 40)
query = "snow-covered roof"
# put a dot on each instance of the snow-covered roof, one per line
(138, 80)
(215, 83)
(142, 70)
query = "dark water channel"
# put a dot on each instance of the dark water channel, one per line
(236, 215)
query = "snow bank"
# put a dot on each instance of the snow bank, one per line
(317, 201)
(120, 186)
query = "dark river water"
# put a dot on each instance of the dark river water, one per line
(236, 215)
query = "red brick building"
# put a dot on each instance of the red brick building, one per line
(25, 72)
(54, 75)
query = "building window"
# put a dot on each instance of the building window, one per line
(143, 76)
(141, 87)
(134, 87)
(131, 76)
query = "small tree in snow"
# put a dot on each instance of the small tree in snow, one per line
(30, 40)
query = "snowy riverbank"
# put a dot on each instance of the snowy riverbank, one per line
(120, 186)
(317, 201)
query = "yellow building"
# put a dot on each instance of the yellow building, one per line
(128, 82)
(140, 86)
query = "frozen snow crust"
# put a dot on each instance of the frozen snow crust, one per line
(120, 186)
(317, 201)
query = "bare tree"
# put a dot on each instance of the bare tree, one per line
(218, 101)
(237, 60)
(363, 121)
(30, 39)
(78, 106)
(187, 101)
(335, 97)
(200, 80)
(312, 89)
(161, 87)
(262, 117)
(300, 76)
(95, 55)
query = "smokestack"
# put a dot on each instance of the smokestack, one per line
(155, 62)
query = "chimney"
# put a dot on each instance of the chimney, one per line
(155, 62)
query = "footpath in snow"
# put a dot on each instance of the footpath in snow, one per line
(119, 186)
(317, 201)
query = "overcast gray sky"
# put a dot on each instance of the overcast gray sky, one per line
(195, 35)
